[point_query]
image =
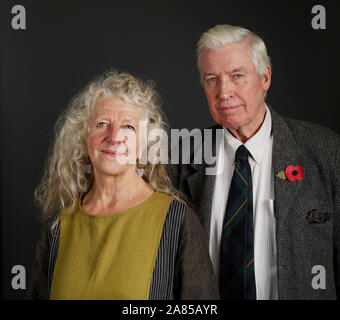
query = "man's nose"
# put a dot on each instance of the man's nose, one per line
(226, 89)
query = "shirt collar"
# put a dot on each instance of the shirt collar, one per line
(255, 144)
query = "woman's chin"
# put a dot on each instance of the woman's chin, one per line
(113, 170)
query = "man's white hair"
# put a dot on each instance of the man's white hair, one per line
(225, 34)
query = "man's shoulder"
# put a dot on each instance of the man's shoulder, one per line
(318, 145)
(312, 133)
(214, 127)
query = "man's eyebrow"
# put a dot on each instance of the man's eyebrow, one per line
(208, 74)
(238, 70)
(241, 69)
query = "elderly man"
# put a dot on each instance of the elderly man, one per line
(272, 213)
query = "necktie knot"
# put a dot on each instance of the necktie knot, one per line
(241, 153)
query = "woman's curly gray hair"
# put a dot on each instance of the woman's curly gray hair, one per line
(65, 178)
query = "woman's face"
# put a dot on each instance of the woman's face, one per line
(112, 139)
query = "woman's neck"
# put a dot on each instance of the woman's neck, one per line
(112, 194)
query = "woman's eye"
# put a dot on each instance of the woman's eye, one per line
(101, 124)
(128, 126)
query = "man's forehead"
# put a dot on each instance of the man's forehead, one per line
(234, 57)
(238, 48)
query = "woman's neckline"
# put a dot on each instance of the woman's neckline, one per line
(128, 211)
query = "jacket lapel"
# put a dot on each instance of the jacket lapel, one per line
(285, 152)
(201, 184)
(201, 188)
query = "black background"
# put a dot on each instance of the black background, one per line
(67, 43)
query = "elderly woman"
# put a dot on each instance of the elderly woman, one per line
(114, 230)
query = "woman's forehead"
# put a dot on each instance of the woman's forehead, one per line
(115, 106)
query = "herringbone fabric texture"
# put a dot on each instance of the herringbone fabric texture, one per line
(237, 278)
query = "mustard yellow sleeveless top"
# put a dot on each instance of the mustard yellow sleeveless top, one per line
(109, 256)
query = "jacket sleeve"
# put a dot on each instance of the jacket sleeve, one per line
(336, 222)
(194, 275)
(38, 282)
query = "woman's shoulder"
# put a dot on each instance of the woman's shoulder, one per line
(181, 214)
(176, 205)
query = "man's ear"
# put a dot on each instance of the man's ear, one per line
(266, 78)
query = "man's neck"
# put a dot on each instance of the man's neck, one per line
(245, 133)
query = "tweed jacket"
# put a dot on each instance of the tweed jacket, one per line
(304, 238)
(182, 270)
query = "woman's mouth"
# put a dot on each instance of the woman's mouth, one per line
(112, 153)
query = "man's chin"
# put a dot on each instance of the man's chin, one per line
(231, 123)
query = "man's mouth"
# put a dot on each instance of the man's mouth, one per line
(228, 107)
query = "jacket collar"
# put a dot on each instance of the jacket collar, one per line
(285, 152)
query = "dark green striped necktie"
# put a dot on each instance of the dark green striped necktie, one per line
(237, 278)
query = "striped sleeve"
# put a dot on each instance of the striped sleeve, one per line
(53, 240)
(194, 275)
(43, 263)
(162, 284)
(183, 269)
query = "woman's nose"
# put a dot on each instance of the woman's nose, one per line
(114, 135)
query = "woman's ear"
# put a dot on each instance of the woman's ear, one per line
(142, 142)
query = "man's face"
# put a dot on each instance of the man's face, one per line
(234, 91)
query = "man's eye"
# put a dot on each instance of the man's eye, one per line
(238, 75)
(128, 126)
(211, 79)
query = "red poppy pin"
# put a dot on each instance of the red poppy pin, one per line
(291, 173)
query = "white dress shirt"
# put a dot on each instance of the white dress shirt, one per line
(260, 146)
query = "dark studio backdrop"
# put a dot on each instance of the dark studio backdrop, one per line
(67, 43)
